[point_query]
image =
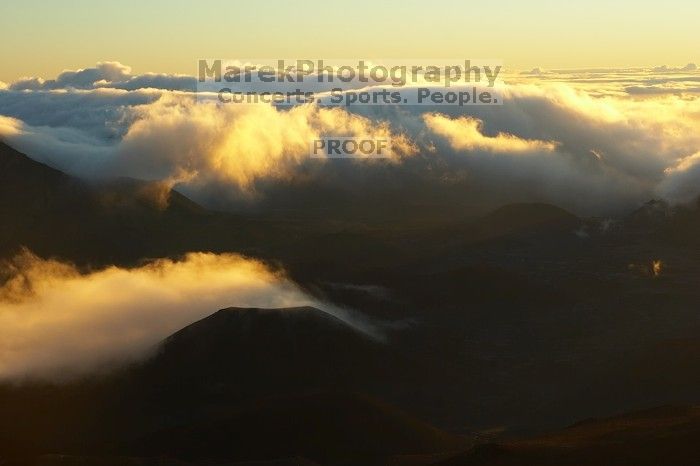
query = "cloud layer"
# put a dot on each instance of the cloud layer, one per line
(107, 74)
(58, 323)
(597, 142)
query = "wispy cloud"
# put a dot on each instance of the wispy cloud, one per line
(58, 323)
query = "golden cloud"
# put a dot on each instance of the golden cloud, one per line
(238, 144)
(466, 133)
(59, 323)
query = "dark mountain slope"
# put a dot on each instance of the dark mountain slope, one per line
(273, 383)
(112, 222)
(528, 218)
(323, 426)
(667, 435)
(240, 384)
(239, 355)
(254, 352)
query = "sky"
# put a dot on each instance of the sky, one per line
(44, 37)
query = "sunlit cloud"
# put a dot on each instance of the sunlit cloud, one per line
(682, 181)
(236, 145)
(576, 139)
(58, 323)
(465, 133)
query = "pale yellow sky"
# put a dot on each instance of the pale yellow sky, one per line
(42, 38)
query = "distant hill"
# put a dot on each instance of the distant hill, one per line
(666, 435)
(528, 218)
(254, 352)
(117, 221)
(242, 384)
(239, 355)
(29, 189)
(322, 426)
(519, 217)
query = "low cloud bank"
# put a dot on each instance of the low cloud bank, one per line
(577, 140)
(57, 323)
(108, 74)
